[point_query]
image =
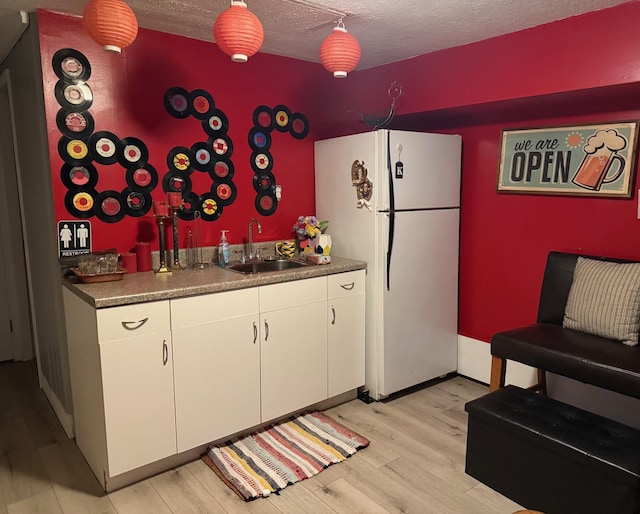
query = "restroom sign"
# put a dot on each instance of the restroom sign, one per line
(74, 238)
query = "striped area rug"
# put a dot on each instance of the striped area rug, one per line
(269, 460)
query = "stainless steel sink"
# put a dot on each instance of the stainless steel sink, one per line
(264, 266)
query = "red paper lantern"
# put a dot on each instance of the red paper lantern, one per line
(238, 32)
(340, 52)
(110, 23)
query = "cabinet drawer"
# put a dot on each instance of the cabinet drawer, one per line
(131, 321)
(346, 284)
(198, 310)
(291, 294)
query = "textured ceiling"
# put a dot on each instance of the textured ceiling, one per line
(388, 30)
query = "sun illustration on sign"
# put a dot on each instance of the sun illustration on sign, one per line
(573, 139)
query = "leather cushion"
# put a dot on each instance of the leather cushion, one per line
(585, 357)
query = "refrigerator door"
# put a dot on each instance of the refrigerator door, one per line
(420, 309)
(425, 169)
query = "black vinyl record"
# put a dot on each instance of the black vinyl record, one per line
(225, 192)
(109, 206)
(202, 157)
(261, 162)
(142, 178)
(263, 181)
(176, 102)
(266, 204)
(281, 118)
(84, 176)
(189, 207)
(263, 118)
(74, 151)
(259, 139)
(222, 169)
(221, 146)
(209, 207)
(71, 65)
(176, 183)
(73, 97)
(180, 160)
(299, 127)
(104, 147)
(76, 125)
(80, 203)
(132, 152)
(136, 203)
(202, 104)
(216, 124)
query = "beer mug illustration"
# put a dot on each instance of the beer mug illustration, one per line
(601, 151)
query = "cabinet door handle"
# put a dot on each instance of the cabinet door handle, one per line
(255, 332)
(134, 325)
(333, 310)
(165, 352)
(348, 287)
(266, 330)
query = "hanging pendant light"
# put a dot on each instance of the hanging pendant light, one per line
(238, 32)
(340, 52)
(110, 23)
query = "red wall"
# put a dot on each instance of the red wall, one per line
(128, 94)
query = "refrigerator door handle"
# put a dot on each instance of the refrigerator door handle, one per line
(392, 222)
(392, 214)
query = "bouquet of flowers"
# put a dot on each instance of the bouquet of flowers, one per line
(309, 227)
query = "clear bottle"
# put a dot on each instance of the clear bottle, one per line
(223, 250)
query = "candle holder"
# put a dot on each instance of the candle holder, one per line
(176, 250)
(160, 219)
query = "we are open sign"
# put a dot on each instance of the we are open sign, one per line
(593, 160)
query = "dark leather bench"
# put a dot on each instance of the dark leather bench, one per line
(547, 346)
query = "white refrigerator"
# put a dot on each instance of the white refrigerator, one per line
(407, 231)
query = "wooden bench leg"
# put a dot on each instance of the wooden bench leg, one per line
(498, 372)
(541, 386)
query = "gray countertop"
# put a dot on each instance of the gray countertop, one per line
(147, 287)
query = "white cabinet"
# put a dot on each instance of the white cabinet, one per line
(346, 326)
(216, 352)
(293, 345)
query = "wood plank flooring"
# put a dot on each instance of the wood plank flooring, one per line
(415, 463)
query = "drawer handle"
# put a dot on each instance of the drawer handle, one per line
(165, 352)
(255, 332)
(134, 325)
(348, 287)
(266, 330)
(333, 309)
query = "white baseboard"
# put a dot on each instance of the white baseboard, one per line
(474, 361)
(66, 419)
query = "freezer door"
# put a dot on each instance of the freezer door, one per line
(420, 309)
(425, 169)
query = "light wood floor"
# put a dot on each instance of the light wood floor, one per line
(415, 463)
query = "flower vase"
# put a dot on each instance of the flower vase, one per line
(308, 244)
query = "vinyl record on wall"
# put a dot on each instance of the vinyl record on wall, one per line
(176, 102)
(266, 204)
(202, 158)
(133, 152)
(263, 181)
(104, 147)
(261, 161)
(281, 118)
(299, 127)
(73, 97)
(222, 169)
(202, 104)
(209, 207)
(73, 151)
(71, 65)
(78, 125)
(189, 206)
(179, 159)
(221, 146)
(216, 124)
(259, 139)
(226, 192)
(80, 203)
(84, 176)
(142, 178)
(109, 206)
(137, 203)
(263, 118)
(176, 183)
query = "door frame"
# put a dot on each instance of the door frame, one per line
(13, 236)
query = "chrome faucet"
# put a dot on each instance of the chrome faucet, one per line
(250, 236)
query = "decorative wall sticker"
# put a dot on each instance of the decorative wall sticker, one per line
(80, 146)
(265, 120)
(212, 156)
(364, 186)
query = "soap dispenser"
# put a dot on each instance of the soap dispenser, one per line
(223, 250)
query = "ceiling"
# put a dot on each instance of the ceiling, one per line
(388, 30)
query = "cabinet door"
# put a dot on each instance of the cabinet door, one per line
(294, 358)
(137, 382)
(217, 380)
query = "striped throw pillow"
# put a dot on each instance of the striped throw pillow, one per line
(605, 300)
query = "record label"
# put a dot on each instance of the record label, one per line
(178, 102)
(77, 149)
(215, 123)
(262, 161)
(105, 147)
(282, 118)
(209, 206)
(135, 201)
(110, 206)
(203, 156)
(223, 191)
(201, 104)
(83, 201)
(181, 161)
(220, 146)
(221, 169)
(132, 153)
(79, 175)
(142, 177)
(75, 122)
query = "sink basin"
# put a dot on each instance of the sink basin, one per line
(263, 266)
